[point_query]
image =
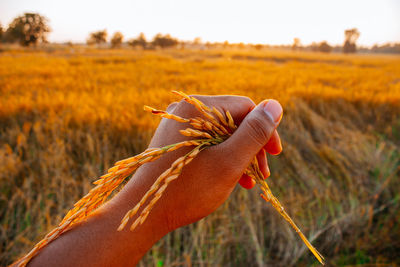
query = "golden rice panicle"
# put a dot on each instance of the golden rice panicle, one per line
(220, 116)
(204, 110)
(213, 129)
(105, 186)
(109, 182)
(259, 177)
(195, 133)
(158, 189)
(165, 114)
(218, 128)
(269, 197)
(195, 102)
(197, 123)
(55, 233)
(231, 122)
(89, 203)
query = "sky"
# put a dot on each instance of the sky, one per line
(248, 21)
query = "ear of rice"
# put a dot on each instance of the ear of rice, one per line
(158, 188)
(213, 129)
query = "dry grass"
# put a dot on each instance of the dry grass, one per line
(66, 116)
(215, 129)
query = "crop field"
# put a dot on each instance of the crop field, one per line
(67, 114)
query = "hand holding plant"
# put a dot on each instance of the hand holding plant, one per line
(193, 163)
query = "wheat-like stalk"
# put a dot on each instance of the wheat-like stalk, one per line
(158, 188)
(115, 176)
(106, 184)
(211, 129)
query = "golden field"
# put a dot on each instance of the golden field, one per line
(67, 114)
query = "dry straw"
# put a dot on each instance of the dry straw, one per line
(210, 129)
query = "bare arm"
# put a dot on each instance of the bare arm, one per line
(201, 188)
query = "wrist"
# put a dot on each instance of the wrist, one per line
(134, 243)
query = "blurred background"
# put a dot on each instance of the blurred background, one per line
(74, 76)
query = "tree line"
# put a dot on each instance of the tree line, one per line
(349, 45)
(116, 40)
(32, 29)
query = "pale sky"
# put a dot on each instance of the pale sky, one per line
(248, 21)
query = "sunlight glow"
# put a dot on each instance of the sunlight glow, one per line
(271, 22)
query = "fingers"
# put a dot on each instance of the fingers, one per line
(263, 163)
(252, 135)
(239, 107)
(246, 181)
(257, 125)
(255, 131)
(274, 145)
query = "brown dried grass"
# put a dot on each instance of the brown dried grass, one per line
(212, 130)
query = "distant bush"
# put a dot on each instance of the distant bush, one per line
(139, 41)
(116, 40)
(258, 46)
(28, 29)
(1, 33)
(324, 47)
(98, 37)
(164, 41)
(387, 48)
(296, 44)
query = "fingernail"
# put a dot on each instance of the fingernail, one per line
(268, 172)
(280, 145)
(274, 110)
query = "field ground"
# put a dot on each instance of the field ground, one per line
(66, 115)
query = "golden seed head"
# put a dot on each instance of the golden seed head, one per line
(211, 128)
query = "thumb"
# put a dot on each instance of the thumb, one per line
(253, 133)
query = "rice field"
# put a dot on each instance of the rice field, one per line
(67, 114)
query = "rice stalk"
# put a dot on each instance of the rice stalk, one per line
(106, 184)
(253, 170)
(158, 188)
(211, 130)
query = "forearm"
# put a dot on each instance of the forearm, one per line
(203, 186)
(96, 242)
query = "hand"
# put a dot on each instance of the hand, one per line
(203, 186)
(210, 178)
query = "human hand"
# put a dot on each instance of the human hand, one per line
(204, 184)
(209, 179)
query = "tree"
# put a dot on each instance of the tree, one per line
(386, 48)
(139, 41)
(116, 40)
(350, 38)
(225, 44)
(296, 44)
(28, 29)
(324, 47)
(164, 41)
(258, 46)
(314, 47)
(98, 37)
(1, 33)
(197, 41)
(241, 45)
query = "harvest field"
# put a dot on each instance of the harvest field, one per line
(67, 114)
